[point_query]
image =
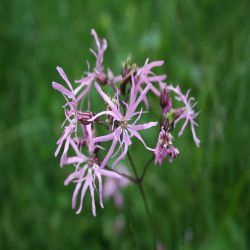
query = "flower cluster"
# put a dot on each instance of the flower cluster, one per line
(124, 103)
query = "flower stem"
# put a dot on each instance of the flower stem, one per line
(129, 177)
(139, 184)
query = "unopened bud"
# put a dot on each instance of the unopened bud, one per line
(128, 71)
(83, 117)
(165, 101)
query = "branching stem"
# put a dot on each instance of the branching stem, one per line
(139, 184)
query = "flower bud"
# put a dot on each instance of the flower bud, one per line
(83, 117)
(165, 147)
(128, 71)
(165, 101)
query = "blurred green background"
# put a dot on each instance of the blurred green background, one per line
(202, 200)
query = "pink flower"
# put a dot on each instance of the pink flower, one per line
(145, 76)
(72, 114)
(101, 47)
(78, 143)
(112, 187)
(123, 130)
(186, 113)
(165, 147)
(87, 170)
(69, 111)
(86, 138)
(98, 73)
(67, 93)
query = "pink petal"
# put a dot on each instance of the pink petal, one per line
(75, 194)
(84, 93)
(76, 174)
(109, 173)
(122, 156)
(143, 126)
(110, 152)
(98, 175)
(62, 89)
(111, 113)
(156, 78)
(64, 76)
(196, 139)
(103, 138)
(132, 93)
(155, 90)
(65, 151)
(154, 64)
(74, 160)
(94, 34)
(133, 107)
(92, 193)
(138, 136)
(108, 101)
(58, 147)
(84, 82)
(84, 188)
(145, 99)
(77, 151)
(183, 128)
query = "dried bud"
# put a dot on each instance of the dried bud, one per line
(165, 101)
(83, 117)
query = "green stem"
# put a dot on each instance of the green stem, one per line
(144, 198)
(129, 177)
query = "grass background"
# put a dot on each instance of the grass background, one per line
(201, 201)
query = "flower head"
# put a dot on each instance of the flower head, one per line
(186, 113)
(165, 147)
(98, 73)
(81, 147)
(145, 77)
(123, 129)
(86, 172)
(70, 114)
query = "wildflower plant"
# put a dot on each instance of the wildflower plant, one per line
(125, 102)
